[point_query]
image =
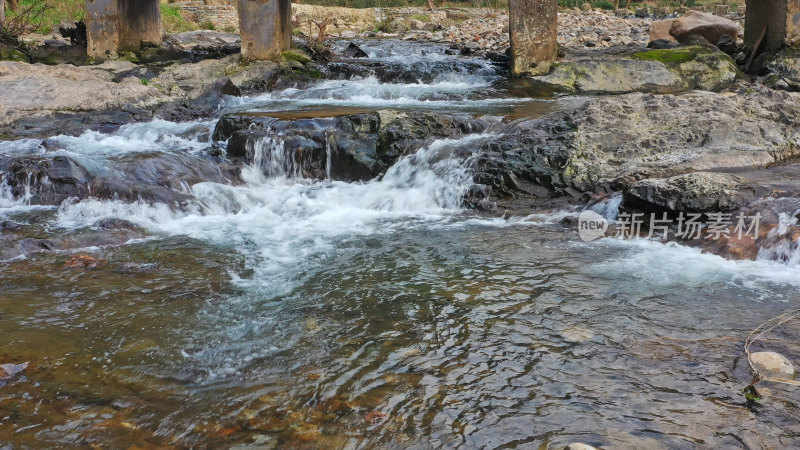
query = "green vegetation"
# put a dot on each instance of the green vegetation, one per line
(73, 10)
(56, 12)
(173, 20)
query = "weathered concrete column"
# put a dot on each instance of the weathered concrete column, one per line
(114, 26)
(777, 21)
(533, 26)
(140, 24)
(266, 27)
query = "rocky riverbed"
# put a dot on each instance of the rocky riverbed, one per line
(386, 249)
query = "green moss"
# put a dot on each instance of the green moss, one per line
(296, 55)
(315, 74)
(9, 54)
(671, 56)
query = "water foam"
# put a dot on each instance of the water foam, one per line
(288, 218)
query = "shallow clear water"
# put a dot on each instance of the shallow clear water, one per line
(298, 313)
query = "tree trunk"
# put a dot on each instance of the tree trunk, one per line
(430, 5)
(628, 4)
(2, 13)
(616, 5)
(12, 5)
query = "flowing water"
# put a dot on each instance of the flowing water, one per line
(289, 312)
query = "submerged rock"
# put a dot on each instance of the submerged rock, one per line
(772, 364)
(160, 177)
(354, 51)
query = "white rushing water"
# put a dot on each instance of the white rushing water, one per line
(288, 218)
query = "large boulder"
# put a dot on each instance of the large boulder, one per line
(703, 192)
(162, 177)
(709, 26)
(609, 77)
(38, 91)
(615, 141)
(657, 71)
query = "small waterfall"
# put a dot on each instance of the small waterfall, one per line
(7, 197)
(438, 175)
(780, 244)
(270, 161)
(328, 157)
(608, 207)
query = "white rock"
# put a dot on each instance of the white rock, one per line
(579, 446)
(772, 364)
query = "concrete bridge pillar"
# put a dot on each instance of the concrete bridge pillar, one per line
(114, 26)
(266, 27)
(771, 24)
(533, 29)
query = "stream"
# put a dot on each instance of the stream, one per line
(281, 311)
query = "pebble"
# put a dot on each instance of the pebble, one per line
(576, 29)
(489, 30)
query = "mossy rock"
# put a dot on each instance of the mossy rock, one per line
(671, 55)
(296, 55)
(603, 77)
(682, 55)
(784, 68)
(9, 54)
(701, 67)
